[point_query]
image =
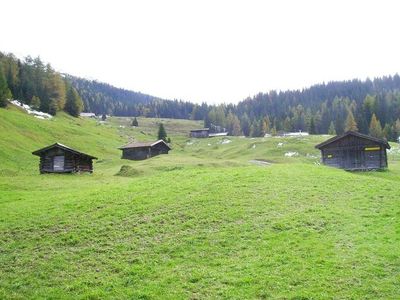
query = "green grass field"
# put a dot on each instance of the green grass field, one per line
(200, 223)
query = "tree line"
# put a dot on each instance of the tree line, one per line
(369, 106)
(38, 85)
(334, 108)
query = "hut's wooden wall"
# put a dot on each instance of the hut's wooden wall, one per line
(140, 153)
(354, 153)
(159, 149)
(136, 153)
(72, 162)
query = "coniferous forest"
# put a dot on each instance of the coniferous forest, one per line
(370, 106)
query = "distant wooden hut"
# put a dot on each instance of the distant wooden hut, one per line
(200, 133)
(144, 150)
(58, 158)
(354, 151)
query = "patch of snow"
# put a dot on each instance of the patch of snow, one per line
(300, 133)
(218, 134)
(280, 144)
(291, 154)
(267, 135)
(208, 144)
(225, 141)
(31, 111)
(254, 146)
(311, 155)
(87, 115)
(121, 126)
(259, 162)
(189, 143)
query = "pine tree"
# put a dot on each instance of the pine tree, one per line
(351, 124)
(74, 104)
(5, 92)
(162, 134)
(245, 124)
(135, 123)
(53, 107)
(312, 126)
(236, 130)
(287, 125)
(265, 126)
(396, 130)
(35, 102)
(273, 131)
(375, 128)
(387, 132)
(332, 130)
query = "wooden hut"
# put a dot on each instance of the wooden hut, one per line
(58, 158)
(144, 150)
(200, 133)
(354, 151)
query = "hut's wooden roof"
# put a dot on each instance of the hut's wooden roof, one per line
(143, 144)
(61, 146)
(353, 133)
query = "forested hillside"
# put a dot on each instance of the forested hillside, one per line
(103, 98)
(370, 106)
(36, 84)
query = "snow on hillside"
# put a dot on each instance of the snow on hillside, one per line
(31, 111)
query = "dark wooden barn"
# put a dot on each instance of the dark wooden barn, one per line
(200, 133)
(144, 150)
(354, 151)
(58, 158)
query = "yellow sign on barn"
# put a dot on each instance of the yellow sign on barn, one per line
(372, 148)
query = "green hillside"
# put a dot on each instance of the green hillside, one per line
(216, 218)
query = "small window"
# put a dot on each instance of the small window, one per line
(58, 163)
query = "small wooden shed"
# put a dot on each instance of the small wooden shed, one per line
(200, 133)
(144, 150)
(354, 151)
(58, 158)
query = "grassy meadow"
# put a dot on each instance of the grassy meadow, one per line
(232, 217)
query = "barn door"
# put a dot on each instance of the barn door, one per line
(58, 163)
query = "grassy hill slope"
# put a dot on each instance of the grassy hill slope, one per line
(201, 222)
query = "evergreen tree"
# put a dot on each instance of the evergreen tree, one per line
(5, 92)
(236, 130)
(245, 124)
(375, 128)
(396, 130)
(312, 126)
(74, 104)
(35, 102)
(387, 132)
(332, 130)
(162, 134)
(207, 121)
(287, 125)
(53, 107)
(135, 122)
(273, 131)
(351, 124)
(266, 126)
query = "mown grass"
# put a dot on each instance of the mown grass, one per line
(201, 222)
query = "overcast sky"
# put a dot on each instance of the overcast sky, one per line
(214, 51)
